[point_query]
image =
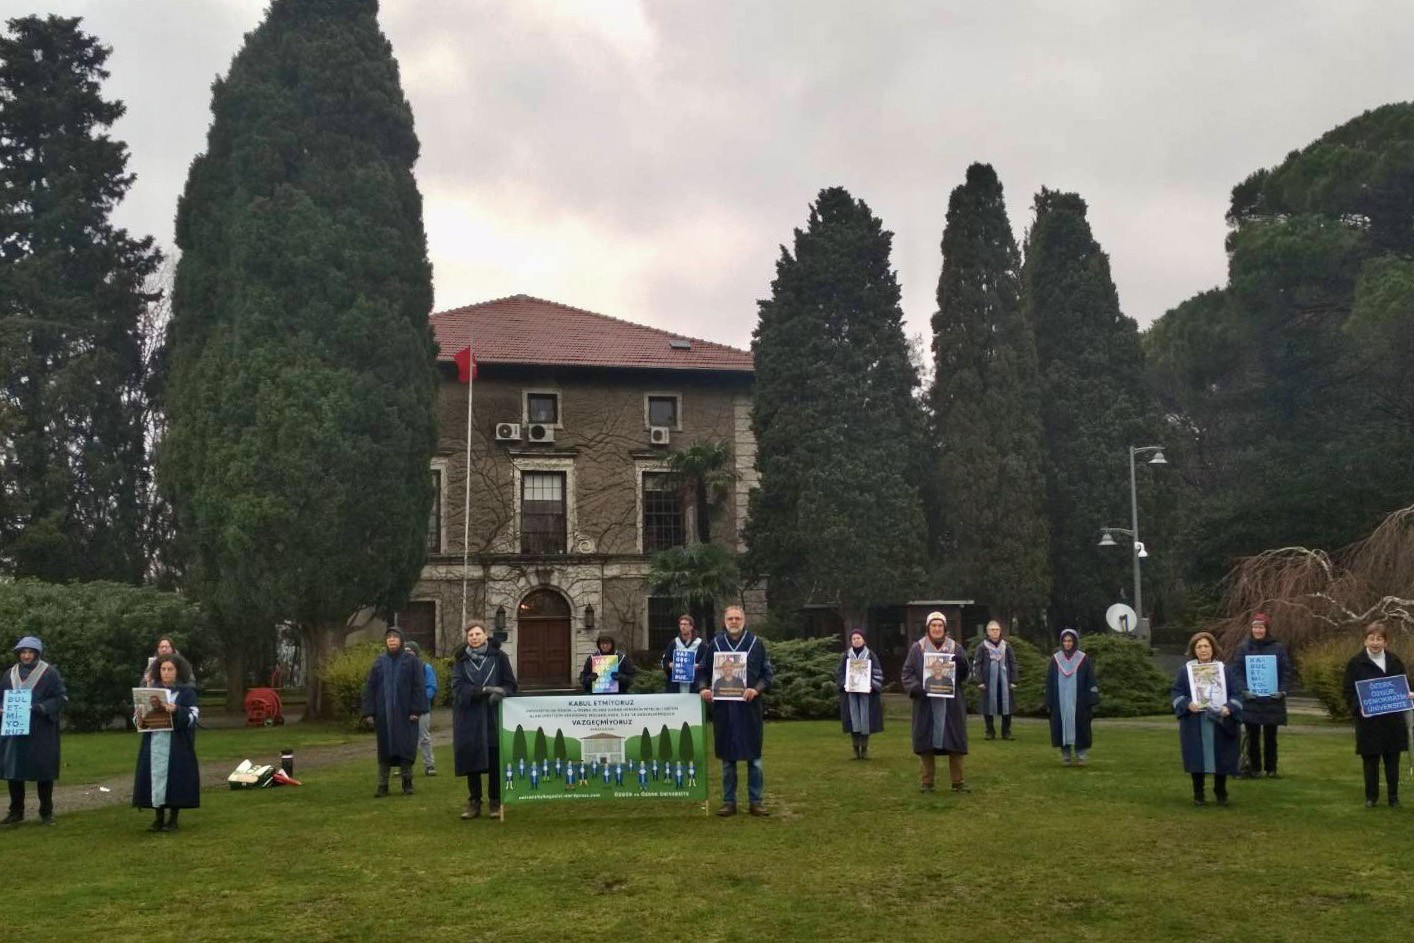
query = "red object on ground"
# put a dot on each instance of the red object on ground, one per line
(281, 778)
(263, 708)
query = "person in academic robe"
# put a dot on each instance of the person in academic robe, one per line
(1071, 695)
(939, 724)
(861, 714)
(1382, 738)
(1208, 737)
(686, 640)
(994, 668)
(738, 727)
(33, 757)
(623, 674)
(168, 779)
(481, 678)
(394, 697)
(1262, 715)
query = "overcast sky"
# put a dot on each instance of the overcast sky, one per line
(646, 159)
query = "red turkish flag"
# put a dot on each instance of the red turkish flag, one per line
(466, 365)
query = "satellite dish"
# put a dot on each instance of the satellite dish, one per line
(1121, 618)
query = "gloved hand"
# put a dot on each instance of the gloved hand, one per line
(494, 693)
(1280, 695)
(476, 692)
(1245, 694)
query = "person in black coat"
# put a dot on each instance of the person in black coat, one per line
(1208, 737)
(1262, 715)
(173, 782)
(481, 678)
(738, 727)
(394, 697)
(1072, 694)
(687, 641)
(623, 674)
(33, 757)
(1383, 737)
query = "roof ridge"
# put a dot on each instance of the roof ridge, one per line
(521, 296)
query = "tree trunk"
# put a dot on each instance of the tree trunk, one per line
(234, 660)
(318, 641)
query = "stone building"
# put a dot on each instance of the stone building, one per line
(572, 417)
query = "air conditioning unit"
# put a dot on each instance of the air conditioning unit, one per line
(507, 432)
(659, 435)
(539, 432)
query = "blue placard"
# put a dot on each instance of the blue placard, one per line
(1262, 675)
(684, 666)
(15, 723)
(1383, 695)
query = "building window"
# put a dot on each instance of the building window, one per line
(543, 408)
(662, 512)
(663, 612)
(663, 411)
(542, 512)
(434, 516)
(419, 624)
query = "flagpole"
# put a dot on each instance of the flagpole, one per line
(466, 497)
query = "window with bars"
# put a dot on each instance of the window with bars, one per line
(663, 612)
(542, 512)
(434, 516)
(662, 512)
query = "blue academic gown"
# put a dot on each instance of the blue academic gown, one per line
(1197, 731)
(738, 727)
(167, 773)
(394, 692)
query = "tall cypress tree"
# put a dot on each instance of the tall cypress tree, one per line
(74, 482)
(837, 517)
(302, 386)
(1094, 404)
(990, 531)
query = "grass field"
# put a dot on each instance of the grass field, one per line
(1114, 851)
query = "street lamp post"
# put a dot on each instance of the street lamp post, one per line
(1136, 550)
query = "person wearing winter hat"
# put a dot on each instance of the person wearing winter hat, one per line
(481, 678)
(33, 756)
(620, 677)
(424, 722)
(994, 665)
(1207, 733)
(1071, 695)
(1262, 714)
(939, 723)
(394, 697)
(861, 713)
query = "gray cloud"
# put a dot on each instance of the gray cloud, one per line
(647, 159)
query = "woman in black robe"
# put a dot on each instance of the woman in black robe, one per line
(1262, 714)
(623, 674)
(33, 757)
(167, 777)
(1208, 737)
(481, 677)
(939, 724)
(1383, 737)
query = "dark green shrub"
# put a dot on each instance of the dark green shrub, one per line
(1321, 666)
(804, 688)
(1030, 695)
(1130, 684)
(648, 679)
(99, 636)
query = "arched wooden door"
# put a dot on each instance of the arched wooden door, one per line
(543, 640)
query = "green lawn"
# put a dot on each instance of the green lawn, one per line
(1114, 851)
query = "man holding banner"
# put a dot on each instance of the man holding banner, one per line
(680, 658)
(738, 724)
(33, 698)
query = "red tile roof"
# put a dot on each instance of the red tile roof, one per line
(525, 330)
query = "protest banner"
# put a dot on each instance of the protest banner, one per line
(939, 674)
(858, 676)
(1207, 684)
(606, 671)
(1383, 695)
(729, 676)
(625, 746)
(15, 722)
(684, 666)
(148, 712)
(1262, 675)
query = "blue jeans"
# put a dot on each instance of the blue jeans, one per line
(755, 781)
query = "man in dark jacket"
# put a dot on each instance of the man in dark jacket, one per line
(33, 756)
(394, 697)
(738, 726)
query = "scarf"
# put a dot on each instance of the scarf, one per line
(1069, 664)
(26, 680)
(995, 652)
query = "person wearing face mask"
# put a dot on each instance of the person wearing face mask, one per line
(994, 666)
(168, 778)
(1071, 696)
(33, 757)
(1208, 737)
(939, 723)
(861, 714)
(394, 697)
(1382, 738)
(1262, 715)
(481, 678)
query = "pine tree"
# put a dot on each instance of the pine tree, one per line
(74, 480)
(301, 398)
(1094, 404)
(990, 528)
(837, 518)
